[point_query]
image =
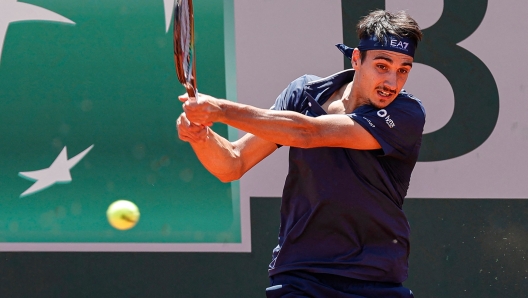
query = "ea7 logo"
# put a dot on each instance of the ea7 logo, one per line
(399, 44)
(383, 114)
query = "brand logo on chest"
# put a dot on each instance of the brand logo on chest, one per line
(383, 114)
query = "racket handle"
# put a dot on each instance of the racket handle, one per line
(191, 92)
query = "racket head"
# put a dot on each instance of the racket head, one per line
(184, 55)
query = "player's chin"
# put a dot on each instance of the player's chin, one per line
(380, 104)
(383, 102)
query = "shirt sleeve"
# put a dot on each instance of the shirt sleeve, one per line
(397, 127)
(291, 98)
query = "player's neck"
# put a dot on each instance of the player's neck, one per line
(339, 102)
(350, 98)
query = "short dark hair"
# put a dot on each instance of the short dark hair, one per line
(381, 23)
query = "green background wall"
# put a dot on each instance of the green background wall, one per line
(109, 80)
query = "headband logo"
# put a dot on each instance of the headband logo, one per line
(399, 44)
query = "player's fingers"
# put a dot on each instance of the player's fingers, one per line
(184, 117)
(195, 128)
(181, 132)
(190, 132)
(199, 136)
(183, 97)
(182, 123)
(178, 123)
(183, 137)
(196, 114)
(185, 134)
(193, 116)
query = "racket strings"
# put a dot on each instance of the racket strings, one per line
(184, 44)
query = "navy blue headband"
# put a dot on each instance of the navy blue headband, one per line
(393, 43)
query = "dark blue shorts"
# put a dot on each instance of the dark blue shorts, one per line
(294, 284)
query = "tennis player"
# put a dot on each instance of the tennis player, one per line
(354, 139)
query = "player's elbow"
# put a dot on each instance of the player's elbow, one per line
(229, 176)
(226, 178)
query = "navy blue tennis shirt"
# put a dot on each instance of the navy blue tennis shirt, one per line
(341, 209)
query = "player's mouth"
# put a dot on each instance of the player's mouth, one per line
(384, 93)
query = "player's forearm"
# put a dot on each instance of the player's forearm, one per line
(218, 156)
(281, 127)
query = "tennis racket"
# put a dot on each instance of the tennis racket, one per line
(184, 56)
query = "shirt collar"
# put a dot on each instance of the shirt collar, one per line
(323, 88)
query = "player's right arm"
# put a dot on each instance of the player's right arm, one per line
(226, 160)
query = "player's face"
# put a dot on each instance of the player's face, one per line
(381, 76)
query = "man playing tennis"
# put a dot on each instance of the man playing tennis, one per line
(354, 139)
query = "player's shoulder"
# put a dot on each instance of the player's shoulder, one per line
(292, 98)
(314, 82)
(297, 87)
(305, 79)
(408, 101)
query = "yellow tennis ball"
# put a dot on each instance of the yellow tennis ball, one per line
(122, 214)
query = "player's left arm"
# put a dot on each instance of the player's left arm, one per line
(282, 127)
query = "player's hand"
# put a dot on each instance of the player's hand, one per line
(203, 110)
(190, 132)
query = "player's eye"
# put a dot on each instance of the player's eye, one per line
(403, 71)
(381, 66)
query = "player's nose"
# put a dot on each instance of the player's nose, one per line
(390, 82)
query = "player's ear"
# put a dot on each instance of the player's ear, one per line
(356, 59)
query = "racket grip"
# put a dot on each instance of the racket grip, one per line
(191, 92)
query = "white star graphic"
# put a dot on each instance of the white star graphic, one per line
(12, 11)
(58, 172)
(169, 10)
